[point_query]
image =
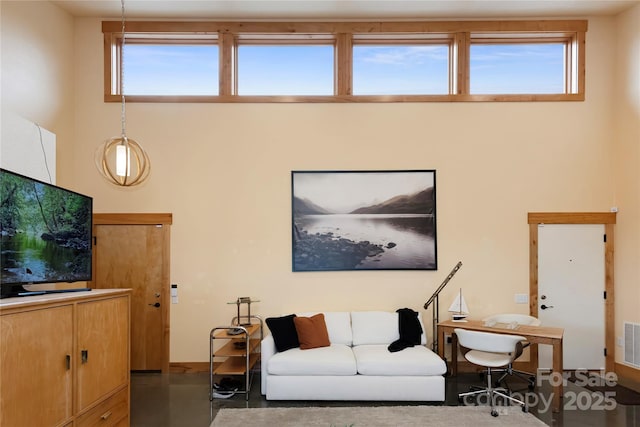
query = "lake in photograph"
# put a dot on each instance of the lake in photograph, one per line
(364, 241)
(28, 258)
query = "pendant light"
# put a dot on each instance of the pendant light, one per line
(121, 160)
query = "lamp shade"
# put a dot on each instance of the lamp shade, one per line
(122, 161)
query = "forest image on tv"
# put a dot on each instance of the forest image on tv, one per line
(46, 232)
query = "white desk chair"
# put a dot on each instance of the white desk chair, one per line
(520, 319)
(490, 351)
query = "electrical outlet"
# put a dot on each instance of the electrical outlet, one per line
(521, 298)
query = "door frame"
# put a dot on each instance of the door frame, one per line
(164, 219)
(608, 219)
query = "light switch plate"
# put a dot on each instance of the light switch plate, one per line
(521, 298)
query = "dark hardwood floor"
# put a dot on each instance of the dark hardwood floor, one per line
(182, 400)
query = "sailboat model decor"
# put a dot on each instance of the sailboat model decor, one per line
(458, 309)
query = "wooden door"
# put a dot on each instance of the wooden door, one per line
(36, 367)
(102, 358)
(132, 251)
(571, 284)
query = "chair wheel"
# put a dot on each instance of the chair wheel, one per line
(525, 409)
(494, 413)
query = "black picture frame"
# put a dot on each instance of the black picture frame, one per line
(363, 220)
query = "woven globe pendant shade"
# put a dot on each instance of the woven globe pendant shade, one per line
(122, 161)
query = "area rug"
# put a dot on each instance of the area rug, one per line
(379, 416)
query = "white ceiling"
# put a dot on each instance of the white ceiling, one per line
(344, 9)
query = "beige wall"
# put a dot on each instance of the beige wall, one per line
(223, 170)
(37, 72)
(625, 138)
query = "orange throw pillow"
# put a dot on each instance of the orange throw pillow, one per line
(312, 331)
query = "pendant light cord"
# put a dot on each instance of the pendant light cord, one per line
(122, 73)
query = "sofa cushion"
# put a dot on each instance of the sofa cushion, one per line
(378, 327)
(378, 360)
(374, 327)
(338, 326)
(312, 331)
(283, 331)
(337, 359)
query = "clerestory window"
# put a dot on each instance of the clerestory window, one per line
(346, 62)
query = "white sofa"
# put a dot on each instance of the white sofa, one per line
(356, 366)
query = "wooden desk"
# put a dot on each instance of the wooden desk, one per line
(534, 334)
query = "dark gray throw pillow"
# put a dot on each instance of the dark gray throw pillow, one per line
(284, 332)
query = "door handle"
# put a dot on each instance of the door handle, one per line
(544, 307)
(156, 304)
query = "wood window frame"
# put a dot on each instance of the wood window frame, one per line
(404, 39)
(461, 33)
(298, 39)
(574, 84)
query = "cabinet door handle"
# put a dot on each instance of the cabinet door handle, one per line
(105, 415)
(84, 356)
(68, 361)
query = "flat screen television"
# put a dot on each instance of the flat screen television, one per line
(45, 234)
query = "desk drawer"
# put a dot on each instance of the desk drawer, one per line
(108, 413)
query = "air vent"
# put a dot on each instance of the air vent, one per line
(632, 343)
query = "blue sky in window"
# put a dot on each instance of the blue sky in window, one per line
(308, 69)
(517, 68)
(170, 69)
(285, 70)
(400, 70)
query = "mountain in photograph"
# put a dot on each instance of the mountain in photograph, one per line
(307, 207)
(422, 202)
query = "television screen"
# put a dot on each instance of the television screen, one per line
(45, 230)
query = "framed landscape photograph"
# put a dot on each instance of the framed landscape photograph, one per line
(364, 220)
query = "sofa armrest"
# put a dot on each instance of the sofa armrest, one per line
(267, 349)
